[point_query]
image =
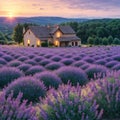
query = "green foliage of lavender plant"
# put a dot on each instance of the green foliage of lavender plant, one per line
(67, 104)
(107, 95)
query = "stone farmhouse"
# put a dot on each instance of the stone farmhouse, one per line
(59, 36)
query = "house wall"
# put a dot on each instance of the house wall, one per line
(72, 43)
(31, 37)
(55, 36)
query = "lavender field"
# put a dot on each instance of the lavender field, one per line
(59, 83)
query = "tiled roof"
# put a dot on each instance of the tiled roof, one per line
(45, 32)
(40, 32)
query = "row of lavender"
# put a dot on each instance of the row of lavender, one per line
(97, 100)
(36, 80)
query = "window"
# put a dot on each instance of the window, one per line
(58, 34)
(56, 43)
(28, 42)
(76, 43)
(72, 43)
(38, 43)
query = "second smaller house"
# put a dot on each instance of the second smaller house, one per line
(59, 36)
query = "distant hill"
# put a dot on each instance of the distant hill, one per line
(38, 20)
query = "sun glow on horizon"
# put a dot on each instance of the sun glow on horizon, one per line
(11, 16)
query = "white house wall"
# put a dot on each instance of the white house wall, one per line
(30, 36)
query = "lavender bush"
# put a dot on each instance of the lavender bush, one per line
(73, 75)
(54, 66)
(2, 61)
(9, 74)
(56, 58)
(111, 64)
(117, 57)
(44, 62)
(8, 58)
(31, 88)
(67, 61)
(34, 69)
(14, 63)
(24, 67)
(49, 79)
(13, 109)
(68, 104)
(107, 95)
(96, 71)
(79, 63)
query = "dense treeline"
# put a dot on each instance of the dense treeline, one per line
(98, 32)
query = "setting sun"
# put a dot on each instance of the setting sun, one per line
(10, 15)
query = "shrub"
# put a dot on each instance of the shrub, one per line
(85, 66)
(48, 56)
(77, 58)
(111, 64)
(56, 58)
(34, 69)
(2, 61)
(108, 59)
(31, 56)
(68, 104)
(72, 74)
(31, 88)
(67, 61)
(1, 54)
(16, 56)
(23, 58)
(116, 67)
(13, 109)
(89, 60)
(31, 62)
(7, 58)
(107, 95)
(38, 59)
(101, 62)
(44, 62)
(8, 74)
(117, 57)
(14, 63)
(79, 63)
(49, 79)
(24, 67)
(53, 66)
(94, 72)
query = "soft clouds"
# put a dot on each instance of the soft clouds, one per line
(64, 8)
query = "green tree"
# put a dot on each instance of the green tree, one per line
(105, 41)
(18, 33)
(116, 41)
(96, 41)
(90, 40)
(110, 40)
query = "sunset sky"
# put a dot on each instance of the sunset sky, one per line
(61, 8)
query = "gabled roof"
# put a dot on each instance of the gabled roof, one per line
(45, 32)
(64, 29)
(40, 31)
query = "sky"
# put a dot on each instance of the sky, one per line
(61, 8)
